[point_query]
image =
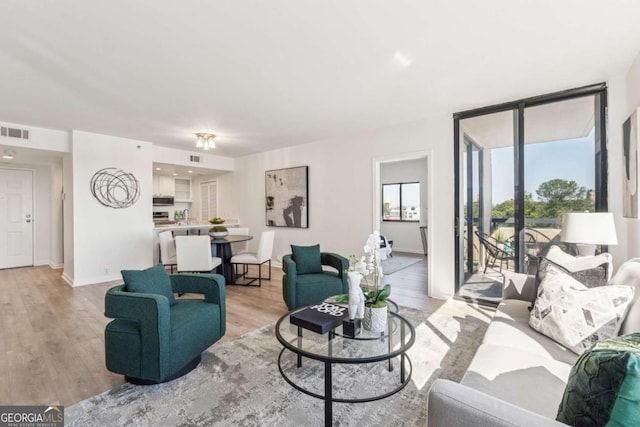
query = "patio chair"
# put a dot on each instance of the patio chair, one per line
(494, 252)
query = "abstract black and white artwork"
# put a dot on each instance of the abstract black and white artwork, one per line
(287, 197)
(115, 188)
(630, 135)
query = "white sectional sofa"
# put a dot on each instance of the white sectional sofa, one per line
(518, 376)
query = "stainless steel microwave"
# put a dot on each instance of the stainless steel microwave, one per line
(163, 201)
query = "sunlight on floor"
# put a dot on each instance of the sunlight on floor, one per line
(435, 336)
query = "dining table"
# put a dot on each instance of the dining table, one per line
(221, 247)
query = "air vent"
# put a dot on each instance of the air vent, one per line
(195, 159)
(14, 132)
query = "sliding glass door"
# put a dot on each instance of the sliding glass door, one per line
(519, 166)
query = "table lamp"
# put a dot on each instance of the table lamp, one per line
(588, 229)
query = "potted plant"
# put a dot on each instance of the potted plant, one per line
(218, 231)
(375, 296)
(376, 310)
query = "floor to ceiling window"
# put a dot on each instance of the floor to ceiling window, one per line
(519, 166)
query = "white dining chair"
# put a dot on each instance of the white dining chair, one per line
(167, 249)
(261, 256)
(193, 254)
(239, 247)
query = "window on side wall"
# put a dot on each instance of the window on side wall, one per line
(401, 202)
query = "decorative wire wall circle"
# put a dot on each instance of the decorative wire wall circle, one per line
(115, 188)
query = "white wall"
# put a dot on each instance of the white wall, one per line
(182, 157)
(56, 245)
(341, 189)
(42, 215)
(406, 235)
(107, 240)
(39, 138)
(227, 205)
(628, 228)
(67, 221)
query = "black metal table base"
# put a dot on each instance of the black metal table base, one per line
(405, 378)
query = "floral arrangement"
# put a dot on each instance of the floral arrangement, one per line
(369, 266)
(218, 229)
(216, 220)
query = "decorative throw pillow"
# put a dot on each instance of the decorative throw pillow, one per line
(604, 385)
(576, 316)
(307, 259)
(590, 270)
(590, 277)
(578, 263)
(153, 280)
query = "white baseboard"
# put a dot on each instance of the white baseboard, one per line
(67, 279)
(409, 251)
(91, 281)
(56, 266)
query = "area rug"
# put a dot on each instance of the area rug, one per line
(238, 384)
(397, 263)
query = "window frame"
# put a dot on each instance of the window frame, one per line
(401, 219)
(601, 165)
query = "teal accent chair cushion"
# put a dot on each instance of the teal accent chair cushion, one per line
(153, 280)
(604, 385)
(150, 341)
(307, 259)
(300, 289)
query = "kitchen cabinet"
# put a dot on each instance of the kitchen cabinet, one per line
(163, 185)
(182, 189)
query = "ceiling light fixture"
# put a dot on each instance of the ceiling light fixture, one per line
(205, 140)
(8, 154)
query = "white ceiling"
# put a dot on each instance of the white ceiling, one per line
(28, 156)
(268, 74)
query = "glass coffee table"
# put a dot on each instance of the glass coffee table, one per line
(389, 347)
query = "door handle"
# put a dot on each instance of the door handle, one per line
(28, 220)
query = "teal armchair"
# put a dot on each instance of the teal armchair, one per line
(153, 338)
(299, 290)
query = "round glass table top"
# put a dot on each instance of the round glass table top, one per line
(335, 346)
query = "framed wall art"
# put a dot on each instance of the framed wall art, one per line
(630, 135)
(287, 197)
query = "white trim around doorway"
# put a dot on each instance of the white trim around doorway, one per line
(377, 203)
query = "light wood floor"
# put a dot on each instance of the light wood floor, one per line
(52, 343)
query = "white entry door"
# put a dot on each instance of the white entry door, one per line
(16, 218)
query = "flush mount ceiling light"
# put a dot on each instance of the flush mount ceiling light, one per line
(8, 154)
(205, 140)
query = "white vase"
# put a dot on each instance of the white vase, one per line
(218, 234)
(375, 319)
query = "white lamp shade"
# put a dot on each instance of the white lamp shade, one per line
(590, 228)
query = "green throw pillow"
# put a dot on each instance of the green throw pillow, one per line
(154, 280)
(307, 259)
(604, 385)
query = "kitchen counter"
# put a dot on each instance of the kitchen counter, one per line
(195, 224)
